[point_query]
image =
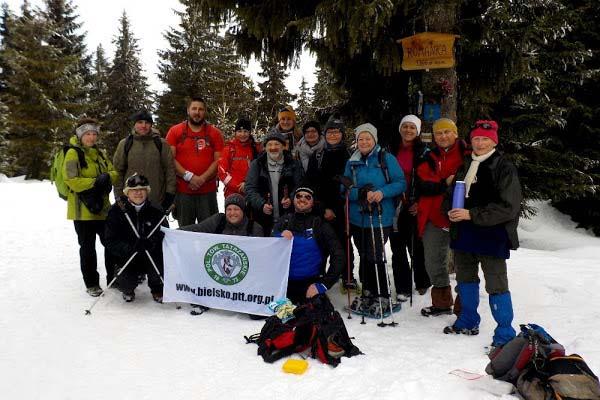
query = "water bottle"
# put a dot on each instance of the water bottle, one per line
(458, 198)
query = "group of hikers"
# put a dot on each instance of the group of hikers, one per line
(308, 184)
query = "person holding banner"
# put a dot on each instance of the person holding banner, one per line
(485, 231)
(314, 239)
(232, 222)
(122, 241)
(272, 177)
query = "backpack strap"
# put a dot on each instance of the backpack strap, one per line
(80, 155)
(383, 165)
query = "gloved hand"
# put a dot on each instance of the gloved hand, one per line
(167, 201)
(344, 180)
(103, 183)
(142, 245)
(362, 194)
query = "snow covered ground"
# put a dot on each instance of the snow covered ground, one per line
(144, 350)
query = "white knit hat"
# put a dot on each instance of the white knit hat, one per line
(366, 128)
(411, 118)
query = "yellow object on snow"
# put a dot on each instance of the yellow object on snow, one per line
(292, 366)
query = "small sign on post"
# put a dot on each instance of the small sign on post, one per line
(428, 50)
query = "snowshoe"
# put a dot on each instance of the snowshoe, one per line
(433, 311)
(129, 297)
(463, 331)
(369, 307)
(94, 291)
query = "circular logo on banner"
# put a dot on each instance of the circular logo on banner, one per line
(226, 263)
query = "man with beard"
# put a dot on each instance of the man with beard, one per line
(196, 147)
(272, 177)
(314, 239)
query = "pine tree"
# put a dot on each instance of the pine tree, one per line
(328, 94)
(39, 94)
(127, 87)
(66, 36)
(304, 109)
(201, 62)
(99, 87)
(6, 19)
(273, 92)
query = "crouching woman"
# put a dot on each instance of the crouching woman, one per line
(134, 213)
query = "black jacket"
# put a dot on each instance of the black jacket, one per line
(326, 239)
(323, 167)
(495, 198)
(258, 183)
(120, 238)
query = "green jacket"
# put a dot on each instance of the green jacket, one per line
(144, 158)
(79, 179)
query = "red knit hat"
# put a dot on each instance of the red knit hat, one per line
(485, 128)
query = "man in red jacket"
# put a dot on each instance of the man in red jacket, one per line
(434, 175)
(197, 147)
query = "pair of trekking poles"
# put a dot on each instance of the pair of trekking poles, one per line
(349, 184)
(135, 253)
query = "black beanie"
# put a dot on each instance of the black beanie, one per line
(142, 115)
(235, 199)
(311, 124)
(335, 122)
(243, 123)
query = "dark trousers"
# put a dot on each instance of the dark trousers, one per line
(339, 227)
(406, 241)
(195, 208)
(86, 236)
(128, 279)
(363, 240)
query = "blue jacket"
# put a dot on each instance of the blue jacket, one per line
(368, 171)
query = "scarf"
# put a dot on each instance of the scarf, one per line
(304, 150)
(471, 176)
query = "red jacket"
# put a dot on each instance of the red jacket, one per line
(235, 162)
(432, 174)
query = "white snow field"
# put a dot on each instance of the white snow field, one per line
(145, 350)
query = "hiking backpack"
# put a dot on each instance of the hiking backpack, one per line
(316, 328)
(536, 364)
(56, 170)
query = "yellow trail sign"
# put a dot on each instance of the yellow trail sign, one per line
(428, 50)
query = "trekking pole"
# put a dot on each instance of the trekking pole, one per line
(348, 184)
(89, 310)
(412, 256)
(384, 257)
(381, 323)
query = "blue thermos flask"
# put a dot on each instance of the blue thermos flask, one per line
(458, 198)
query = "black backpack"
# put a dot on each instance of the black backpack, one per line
(316, 328)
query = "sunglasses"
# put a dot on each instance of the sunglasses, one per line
(136, 180)
(304, 196)
(483, 125)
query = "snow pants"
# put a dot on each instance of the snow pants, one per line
(86, 236)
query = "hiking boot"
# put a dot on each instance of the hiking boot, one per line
(158, 297)
(422, 291)
(198, 309)
(129, 297)
(463, 331)
(402, 297)
(94, 291)
(432, 311)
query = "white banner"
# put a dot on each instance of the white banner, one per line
(236, 273)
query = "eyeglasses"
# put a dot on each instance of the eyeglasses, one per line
(137, 180)
(483, 125)
(333, 132)
(303, 196)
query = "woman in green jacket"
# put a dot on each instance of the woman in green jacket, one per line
(89, 175)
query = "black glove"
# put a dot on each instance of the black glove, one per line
(103, 183)
(143, 244)
(344, 180)
(167, 201)
(362, 194)
(92, 199)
